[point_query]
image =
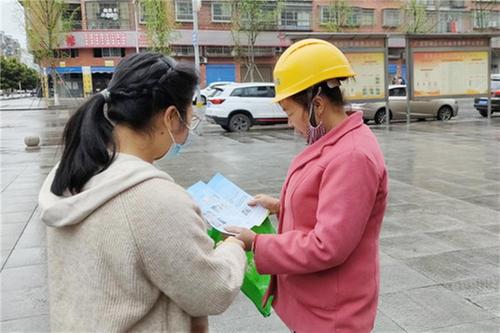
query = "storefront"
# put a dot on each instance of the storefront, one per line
(101, 75)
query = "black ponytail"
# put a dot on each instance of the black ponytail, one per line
(87, 139)
(143, 85)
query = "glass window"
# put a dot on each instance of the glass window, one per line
(142, 13)
(484, 19)
(218, 51)
(261, 91)
(217, 92)
(367, 17)
(237, 92)
(325, 15)
(183, 50)
(296, 18)
(450, 22)
(495, 84)
(68, 53)
(271, 92)
(73, 13)
(183, 11)
(109, 52)
(401, 92)
(392, 17)
(221, 12)
(361, 17)
(107, 15)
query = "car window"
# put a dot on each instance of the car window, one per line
(216, 92)
(495, 85)
(237, 92)
(397, 92)
(271, 92)
(260, 91)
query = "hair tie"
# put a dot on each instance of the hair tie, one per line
(106, 94)
(332, 83)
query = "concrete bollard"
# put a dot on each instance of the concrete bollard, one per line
(32, 142)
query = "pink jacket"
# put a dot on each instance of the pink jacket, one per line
(324, 261)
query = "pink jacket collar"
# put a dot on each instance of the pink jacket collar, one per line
(353, 121)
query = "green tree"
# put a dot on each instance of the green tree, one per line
(481, 14)
(339, 15)
(160, 24)
(416, 17)
(46, 22)
(249, 19)
(15, 75)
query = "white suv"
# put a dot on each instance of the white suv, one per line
(239, 106)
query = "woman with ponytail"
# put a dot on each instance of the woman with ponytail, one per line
(127, 247)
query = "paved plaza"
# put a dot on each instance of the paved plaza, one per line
(440, 249)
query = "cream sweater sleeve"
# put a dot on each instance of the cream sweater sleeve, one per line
(177, 254)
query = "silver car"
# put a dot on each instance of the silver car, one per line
(441, 108)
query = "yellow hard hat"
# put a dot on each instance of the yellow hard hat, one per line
(306, 63)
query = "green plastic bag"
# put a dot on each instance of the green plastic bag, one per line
(254, 284)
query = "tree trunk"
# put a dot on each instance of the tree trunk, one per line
(53, 75)
(251, 58)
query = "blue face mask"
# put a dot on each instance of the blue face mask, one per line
(175, 148)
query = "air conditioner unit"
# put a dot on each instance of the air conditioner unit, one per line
(492, 24)
(203, 60)
(278, 49)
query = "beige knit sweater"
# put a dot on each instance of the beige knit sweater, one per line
(131, 253)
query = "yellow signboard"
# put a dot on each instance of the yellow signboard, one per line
(87, 80)
(450, 73)
(109, 63)
(369, 81)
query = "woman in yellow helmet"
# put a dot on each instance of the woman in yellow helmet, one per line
(324, 260)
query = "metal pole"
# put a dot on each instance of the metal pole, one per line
(408, 79)
(386, 90)
(489, 79)
(195, 4)
(136, 8)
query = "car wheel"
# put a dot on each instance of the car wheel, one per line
(445, 113)
(203, 100)
(380, 117)
(483, 113)
(239, 122)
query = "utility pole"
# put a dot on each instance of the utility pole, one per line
(136, 9)
(199, 106)
(196, 9)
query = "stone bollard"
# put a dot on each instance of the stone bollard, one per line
(32, 142)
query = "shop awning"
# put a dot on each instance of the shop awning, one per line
(102, 69)
(69, 70)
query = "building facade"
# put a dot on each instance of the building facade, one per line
(10, 47)
(106, 31)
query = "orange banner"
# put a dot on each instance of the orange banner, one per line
(450, 73)
(370, 76)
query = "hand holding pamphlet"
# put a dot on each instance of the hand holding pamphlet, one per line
(224, 204)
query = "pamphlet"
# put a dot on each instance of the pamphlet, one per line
(224, 204)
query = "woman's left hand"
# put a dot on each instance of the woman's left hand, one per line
(245, 235)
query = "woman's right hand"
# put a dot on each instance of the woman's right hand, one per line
(266, 201)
